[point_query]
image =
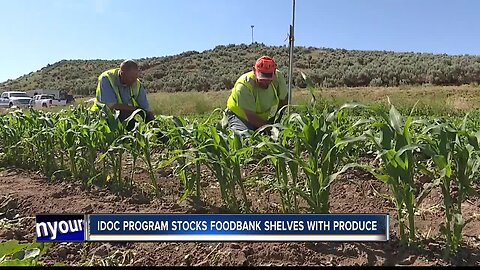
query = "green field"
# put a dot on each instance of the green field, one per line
(412, 140)
(437, 99)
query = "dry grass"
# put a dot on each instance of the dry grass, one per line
(187, 103)
(441, 99)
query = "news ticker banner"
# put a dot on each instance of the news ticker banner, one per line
(214, 227)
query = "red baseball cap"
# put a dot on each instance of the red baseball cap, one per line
(265, 68)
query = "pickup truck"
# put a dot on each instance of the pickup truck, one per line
(14, 98)
(46, 101)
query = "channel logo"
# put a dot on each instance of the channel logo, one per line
(60, 227)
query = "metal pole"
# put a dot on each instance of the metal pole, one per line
(290, 65)
(252, 32)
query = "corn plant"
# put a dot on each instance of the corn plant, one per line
(455, 154)
(224, 153)
(133, 148)
(90, 140)
(44, 142)
(67, 142)
(112, 149)
(326, 142)
(144, 138)
(185, 140)
(396, 147)
(277, 150)
(315, 141)
(14, 130)
(184, 137)
(79, 138)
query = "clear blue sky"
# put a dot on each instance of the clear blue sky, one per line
(35, 33)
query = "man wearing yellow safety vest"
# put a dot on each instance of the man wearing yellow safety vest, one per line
(257, 97)
(120, 89)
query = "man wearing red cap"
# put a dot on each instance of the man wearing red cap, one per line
(257, 97)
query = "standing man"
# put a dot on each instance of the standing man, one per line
(120, 89)
(257, 97)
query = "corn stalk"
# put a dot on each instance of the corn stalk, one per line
(456, 157)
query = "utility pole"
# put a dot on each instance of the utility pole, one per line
(252, 31)
(290, 65)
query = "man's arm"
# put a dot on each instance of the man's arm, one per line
(246, 101)
(254, 119)
(108, 97)
(121, 107)
(143, 103)
(130, 109)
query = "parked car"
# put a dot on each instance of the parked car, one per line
(14, 98)
(46, 101)
(70, 99)
(57, 94)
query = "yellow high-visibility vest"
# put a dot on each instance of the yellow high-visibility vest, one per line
(248, 80)
(111, 75)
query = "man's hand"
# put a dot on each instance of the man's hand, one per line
(271, 121)
(127, 109)
(122, 107)
(254, 119)
(149, 117)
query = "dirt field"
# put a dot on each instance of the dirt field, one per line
(26, 194)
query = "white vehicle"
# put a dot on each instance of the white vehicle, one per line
(14, 98)
(46, 101)
(57, 94)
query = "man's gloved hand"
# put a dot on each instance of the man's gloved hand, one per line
(265, 130)
(271, 121)
(160, 136)
(149, 116)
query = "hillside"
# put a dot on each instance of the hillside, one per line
(217, 69)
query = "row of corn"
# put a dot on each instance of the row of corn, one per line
(308, 150)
